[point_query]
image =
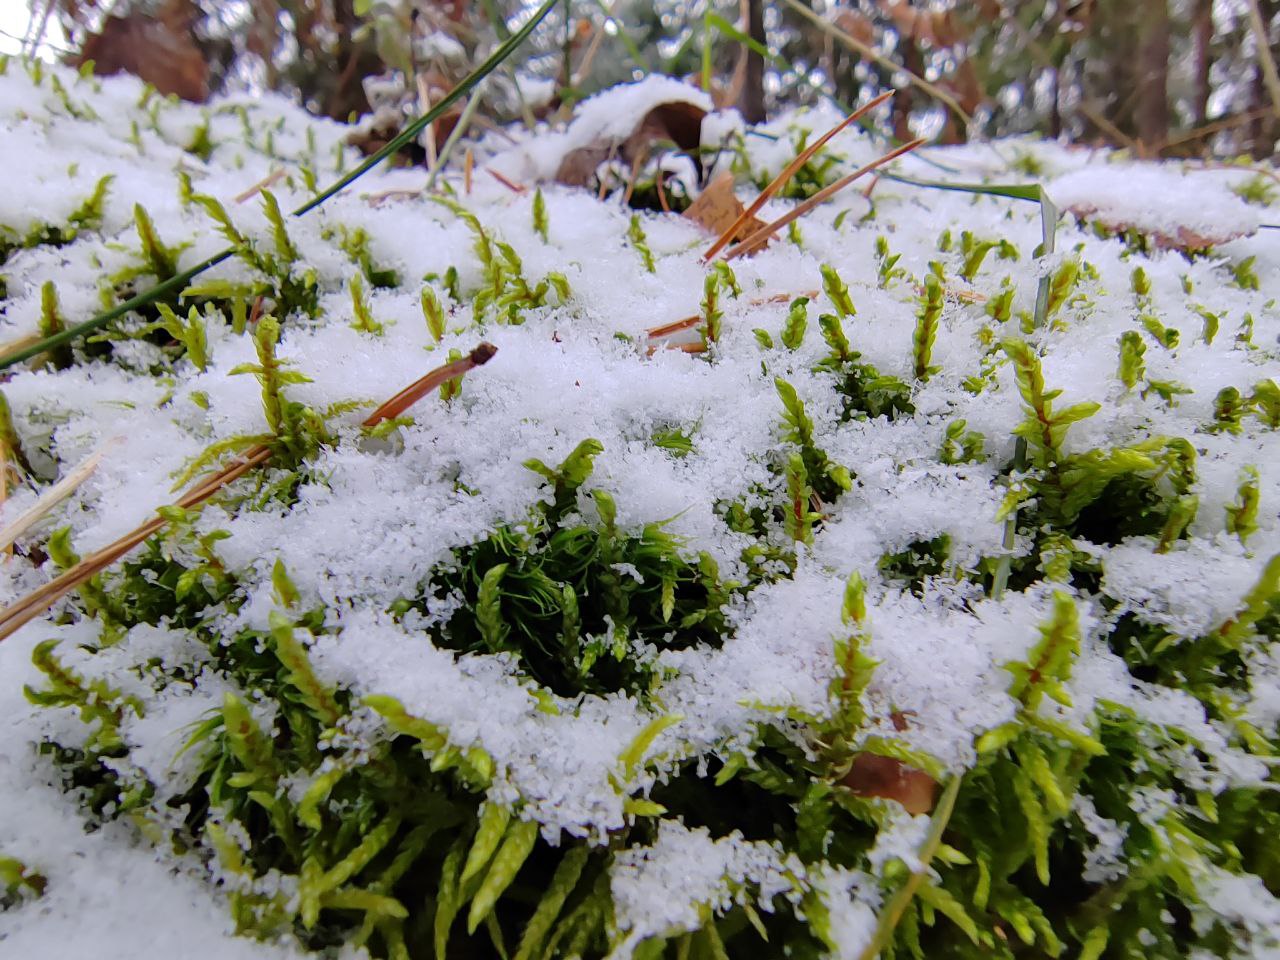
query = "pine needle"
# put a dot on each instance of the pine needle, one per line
(271, 179)
(33, 604)
(761, 236)
(788, 172)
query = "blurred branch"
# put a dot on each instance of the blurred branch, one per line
(1265, 59)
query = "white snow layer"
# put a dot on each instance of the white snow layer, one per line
(386, 515)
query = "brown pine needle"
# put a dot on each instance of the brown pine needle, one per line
(468, 164)
(33, 604)
(509, 184)
(420, 388)
(761, 236)
(674, 326)
(789, 171)
(269, 180)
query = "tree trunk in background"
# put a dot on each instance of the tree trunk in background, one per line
(1262, 131)
(902, 100)
(1055, 102)
(1152, 114)
(1202, 34)
(751, 103)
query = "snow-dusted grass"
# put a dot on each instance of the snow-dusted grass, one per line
(617, 697)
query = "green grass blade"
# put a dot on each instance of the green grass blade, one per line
(406, 135)
(1014, 191)
(179, 282)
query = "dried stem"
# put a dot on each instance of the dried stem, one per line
(893, 910)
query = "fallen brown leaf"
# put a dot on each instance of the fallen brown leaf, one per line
(159, 49)
(875, 776)
(676, 122)
(717, 209)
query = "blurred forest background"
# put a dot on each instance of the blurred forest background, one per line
(1157, 77)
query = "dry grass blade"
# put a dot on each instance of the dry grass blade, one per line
(761, 236)
(33, 604)
(789, 171)
(1209, 129)
(271, 179)
(53, 496)
(424, 106)
(13, 346)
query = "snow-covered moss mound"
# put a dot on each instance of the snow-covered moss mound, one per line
(930, 610)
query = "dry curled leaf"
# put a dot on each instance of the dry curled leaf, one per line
(717, 207)
(676, 122)
(157, 48)
(875, 776)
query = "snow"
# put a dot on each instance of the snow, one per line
(377, 518)
(712, 874)
(1155, 199)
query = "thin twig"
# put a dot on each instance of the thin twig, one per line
(468, 164)
(33, 604)
(761, 236)
(1225, 123)
(788, 172)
